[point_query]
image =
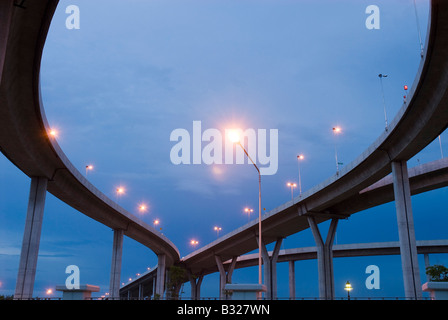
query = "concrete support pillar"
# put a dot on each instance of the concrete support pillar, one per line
(115, 270)
(270, 269)
(161, 270)
(426, 257)
(195, 283)
(224, 277)
(406, 232)
(31, 239)
(324, 258)
(292, 280)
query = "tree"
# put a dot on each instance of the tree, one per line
(177, 276)
(437, 273)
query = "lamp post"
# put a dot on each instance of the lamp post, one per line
(217, 229)
(336, 131)
(248, 211)
(348, 287)
(155, 222)
(381, 76)
(299, 158)
(142, 208)
(88, 167)
(119, 191)
(194, 242)
(292, 186)
(235, 138)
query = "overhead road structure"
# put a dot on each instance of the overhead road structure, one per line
(420, 120)
(26, 142)
(142, 287)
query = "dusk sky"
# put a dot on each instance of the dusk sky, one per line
(136, 70)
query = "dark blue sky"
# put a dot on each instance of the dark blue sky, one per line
(137, 70)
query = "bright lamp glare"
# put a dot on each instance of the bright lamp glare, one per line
(234, 136)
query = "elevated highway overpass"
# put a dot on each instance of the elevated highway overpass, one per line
(25, 141)
(419, 121)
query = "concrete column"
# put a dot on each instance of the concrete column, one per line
(31, 239)
(292, 280)
(406, 232)
(270, 269)
(324, 258)
(161, 270)
(115, 270)
(426, 257)
(195, 283)
(224, 277)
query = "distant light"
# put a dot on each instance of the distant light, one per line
(120, 190)
(300, 157)
(49, 291)
(156, 221)
(142, 207)
(337, 129)
(290, 184)
(53, 132)
(217, 228)
(194, 242)
(248, 210)
(405, 87)
(348, 286)
(89, 167)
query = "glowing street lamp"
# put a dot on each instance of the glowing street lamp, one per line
(217, 229)
(49, 292)
(142, 208)
(235, 138)
(348, 287)
(88, 168)
(119, 191)
(336, 131)
(53, 133)
(300, 157)
(156, 222)
(292, 186)
(381, 76)
(248, 211)
(194, 242)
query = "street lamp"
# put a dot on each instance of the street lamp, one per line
(381, 76)
(336, 131)
(194, 243)
(89, 167)
(217, 229)
(248, 211)
(156, 222)
(53, 133)
(348, 287)
(142, 208)
(299, 158)
(292, 186)
(235, 138)
(119, 191)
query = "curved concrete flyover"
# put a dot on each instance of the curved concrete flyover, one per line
(142, 287)
(422, 178)
(25, 141)
(418, 123)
